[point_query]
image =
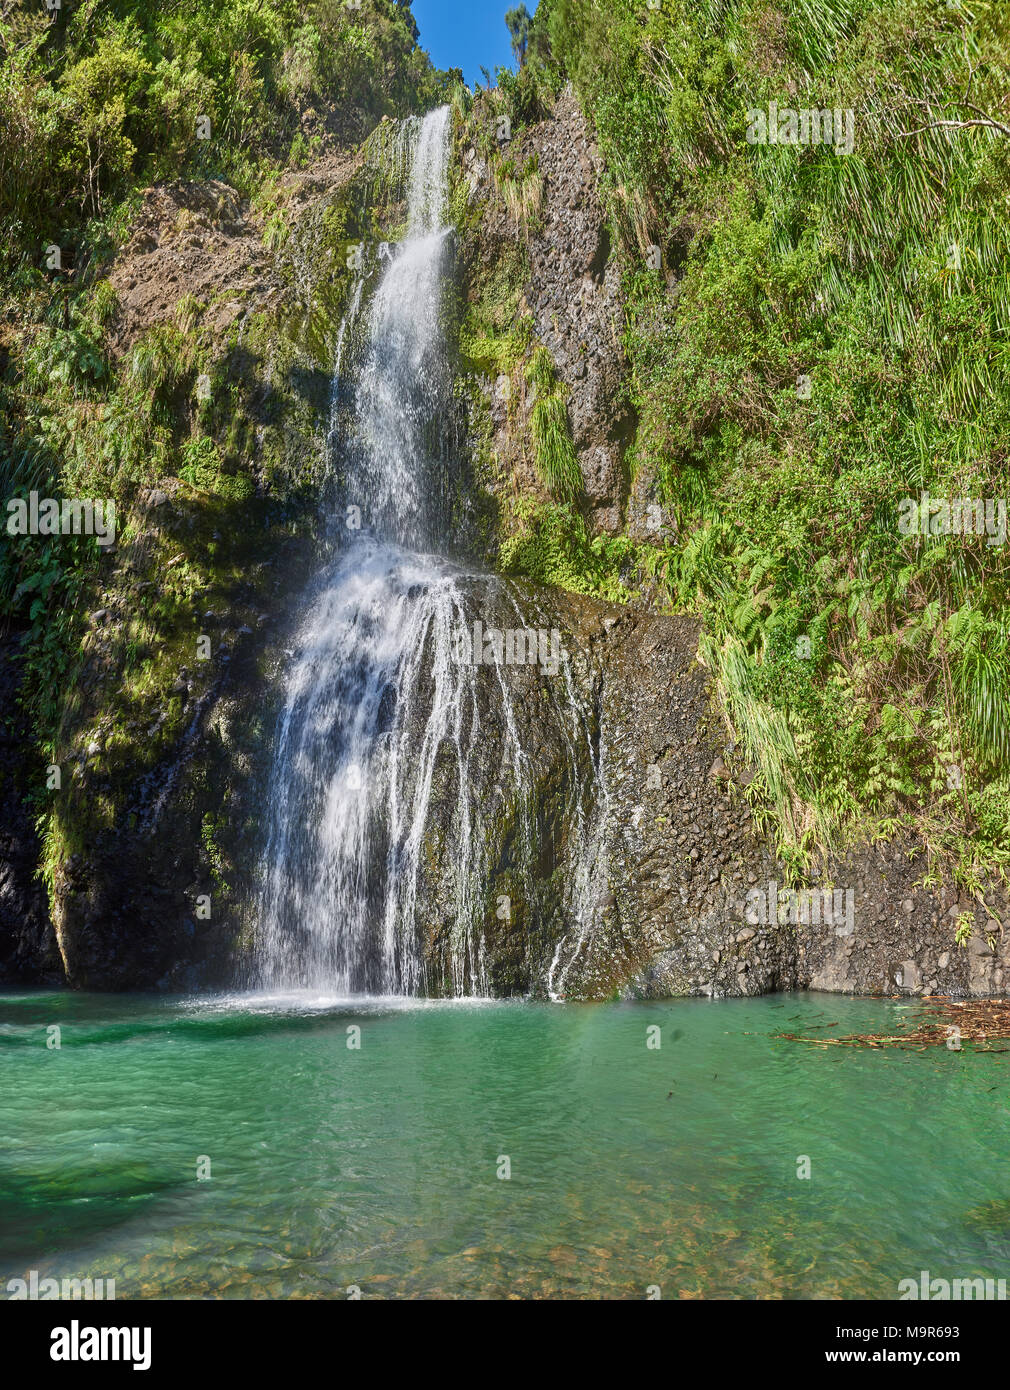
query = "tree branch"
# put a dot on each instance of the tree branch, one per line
(986, 121)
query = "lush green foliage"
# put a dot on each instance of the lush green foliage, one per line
(115, 92)
(96, 101)
(552, 439)
(867, 671)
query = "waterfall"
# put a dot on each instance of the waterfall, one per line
(376, 698)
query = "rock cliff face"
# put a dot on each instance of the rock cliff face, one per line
(688, 895)
(694, 900)
(574, 294)
(564, 280)
(683, 893)
(628, 857)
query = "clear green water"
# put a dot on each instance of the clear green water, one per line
(333, 1167)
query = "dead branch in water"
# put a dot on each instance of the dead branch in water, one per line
(938, 1021)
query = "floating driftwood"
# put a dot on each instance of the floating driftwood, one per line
(936, 1021)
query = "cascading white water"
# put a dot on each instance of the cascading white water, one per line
(404, 376)
(374, 696)
(353, 780)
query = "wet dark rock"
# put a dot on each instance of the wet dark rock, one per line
(660, 921)
(28, 950)
(387, 710)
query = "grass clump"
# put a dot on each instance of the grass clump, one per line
(553, 449)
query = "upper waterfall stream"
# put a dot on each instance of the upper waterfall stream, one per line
(376, 694)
